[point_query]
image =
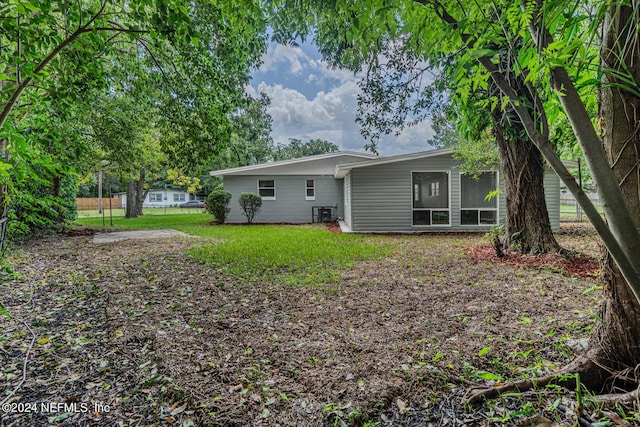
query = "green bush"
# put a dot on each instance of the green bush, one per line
(39, 205)
(218, 205)
(250, 204)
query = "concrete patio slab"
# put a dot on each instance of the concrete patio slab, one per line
(136, 234)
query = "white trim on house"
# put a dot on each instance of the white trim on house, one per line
(307, 188)
(342, 170)
(448, 209)
(496, 209)
(263, 168)
(266, 188)
(182, 197)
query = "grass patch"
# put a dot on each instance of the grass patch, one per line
(297, 255)
(119, 212)
(197, 224)
(303, 256)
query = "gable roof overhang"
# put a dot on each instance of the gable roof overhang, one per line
(342, 170)
(291, 164)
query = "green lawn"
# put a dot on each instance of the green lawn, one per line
(568, 212)
(298, 255)
(147, 211)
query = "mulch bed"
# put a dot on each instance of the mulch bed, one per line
(576, 264)
(143, 329)
(334, 227)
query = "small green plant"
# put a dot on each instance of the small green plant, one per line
(495, 238)
(250, 203)
(218, 204)
(4, 312)
(338, 418)
(6, 271)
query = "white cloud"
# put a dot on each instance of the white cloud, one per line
(414, 138)
(290, 108)
(329, 115)
(328, 106)
(276, 55)
(298, 62)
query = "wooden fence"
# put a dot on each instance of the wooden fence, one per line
(90, 204)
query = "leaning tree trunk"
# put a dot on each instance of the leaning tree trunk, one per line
(614, 348)
(615, 343)
(527, 225)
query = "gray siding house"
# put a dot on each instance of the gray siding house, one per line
(295, 191)
(408, 193)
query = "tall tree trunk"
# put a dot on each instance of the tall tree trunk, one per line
(56, 186)
(136, 193)
(615, 343)
(140, 192)
(132, 200)
(527, 225)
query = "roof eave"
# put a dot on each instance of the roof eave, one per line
(342, 170)
(240, 170)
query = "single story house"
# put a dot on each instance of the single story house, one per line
(160, 198)
(415, 192)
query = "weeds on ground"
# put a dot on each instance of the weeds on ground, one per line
(299, 256)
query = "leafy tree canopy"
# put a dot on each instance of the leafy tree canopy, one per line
(296, 149)
(172, 70)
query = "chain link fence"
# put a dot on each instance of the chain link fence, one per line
(570, 211)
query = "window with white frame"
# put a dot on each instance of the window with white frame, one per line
(155, 197)
(267, 189)
(476, 208)
(178, 197)
(310, 189)
(431, 198)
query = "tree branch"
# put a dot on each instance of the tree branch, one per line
(11, 102)
(621, 224)
(118, 29)
(620, 246)
(155, 61)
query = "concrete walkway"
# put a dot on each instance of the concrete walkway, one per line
(136, 234)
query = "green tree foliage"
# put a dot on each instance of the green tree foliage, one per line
(218, 205)
(296, 149)
(250, 203)
(541, 58)
(250, 140)
(407, 81)
(42, 201)
(186, 62)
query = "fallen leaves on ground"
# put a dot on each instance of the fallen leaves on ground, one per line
(140, 328)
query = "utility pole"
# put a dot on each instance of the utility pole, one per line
(100, 191)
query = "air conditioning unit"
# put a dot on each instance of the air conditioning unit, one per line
(324, 213)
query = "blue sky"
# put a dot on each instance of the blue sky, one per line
(309, 100)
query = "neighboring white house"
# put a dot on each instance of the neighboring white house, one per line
(160, 198)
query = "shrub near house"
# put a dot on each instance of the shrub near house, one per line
(218, 205)
(250, 203)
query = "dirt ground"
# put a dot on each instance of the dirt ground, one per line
(137, 333)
